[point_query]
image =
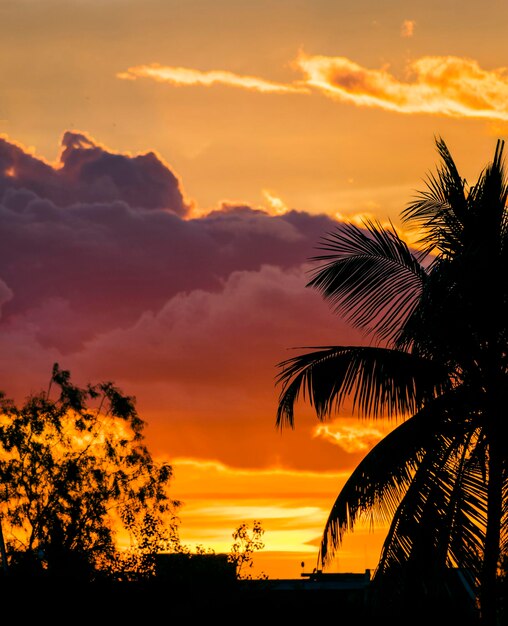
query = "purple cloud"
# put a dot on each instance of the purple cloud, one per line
(99, 265)
(89, 173)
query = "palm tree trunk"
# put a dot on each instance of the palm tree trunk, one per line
(488, 592)
(3, 553)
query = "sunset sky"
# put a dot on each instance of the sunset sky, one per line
(166, 170)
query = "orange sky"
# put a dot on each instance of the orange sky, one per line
(166, 169)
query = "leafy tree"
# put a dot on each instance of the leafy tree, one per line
(74, 475)
(246, 542)
(437, 320)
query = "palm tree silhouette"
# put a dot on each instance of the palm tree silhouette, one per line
(437, 363)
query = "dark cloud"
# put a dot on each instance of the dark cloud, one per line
(89, 173)
(100, 265)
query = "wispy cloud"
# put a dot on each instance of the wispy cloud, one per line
(350, 436)
(188, 77)
(447, 85)
(408, 28)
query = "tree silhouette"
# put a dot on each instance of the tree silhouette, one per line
(437, 363)
(246, 542)
(74, 471)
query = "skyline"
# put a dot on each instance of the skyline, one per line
(162, 196)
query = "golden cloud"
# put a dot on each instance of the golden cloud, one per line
(189, 77)
(445, 85)
(451, 86)
(292, 504)
(276, 205)
(352, 436)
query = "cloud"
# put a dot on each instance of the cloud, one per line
(446, 85)
(292, 505)
(101, 266)
(203, 368)
(216, 327)
(351, 435)
(190, 315)
(450, 86)
(407, 29)
(275, 204)
(189, 77)
(87, 172)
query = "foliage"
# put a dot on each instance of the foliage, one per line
(246, 542)
(437, 363)
(75, 475)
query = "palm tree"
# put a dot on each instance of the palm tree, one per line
(436, 362)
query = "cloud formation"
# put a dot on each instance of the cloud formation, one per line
(190, 315)
(104, 264)
(450, 86)
(189, 77)
(87, 173)
(437, 85)
(352, 435)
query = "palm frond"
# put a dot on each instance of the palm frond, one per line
(438, 526)
(504, 517)
(370, 275)
(378, 485)
(487, 207)
(378, 381)
(441, 519)
(441, 209)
